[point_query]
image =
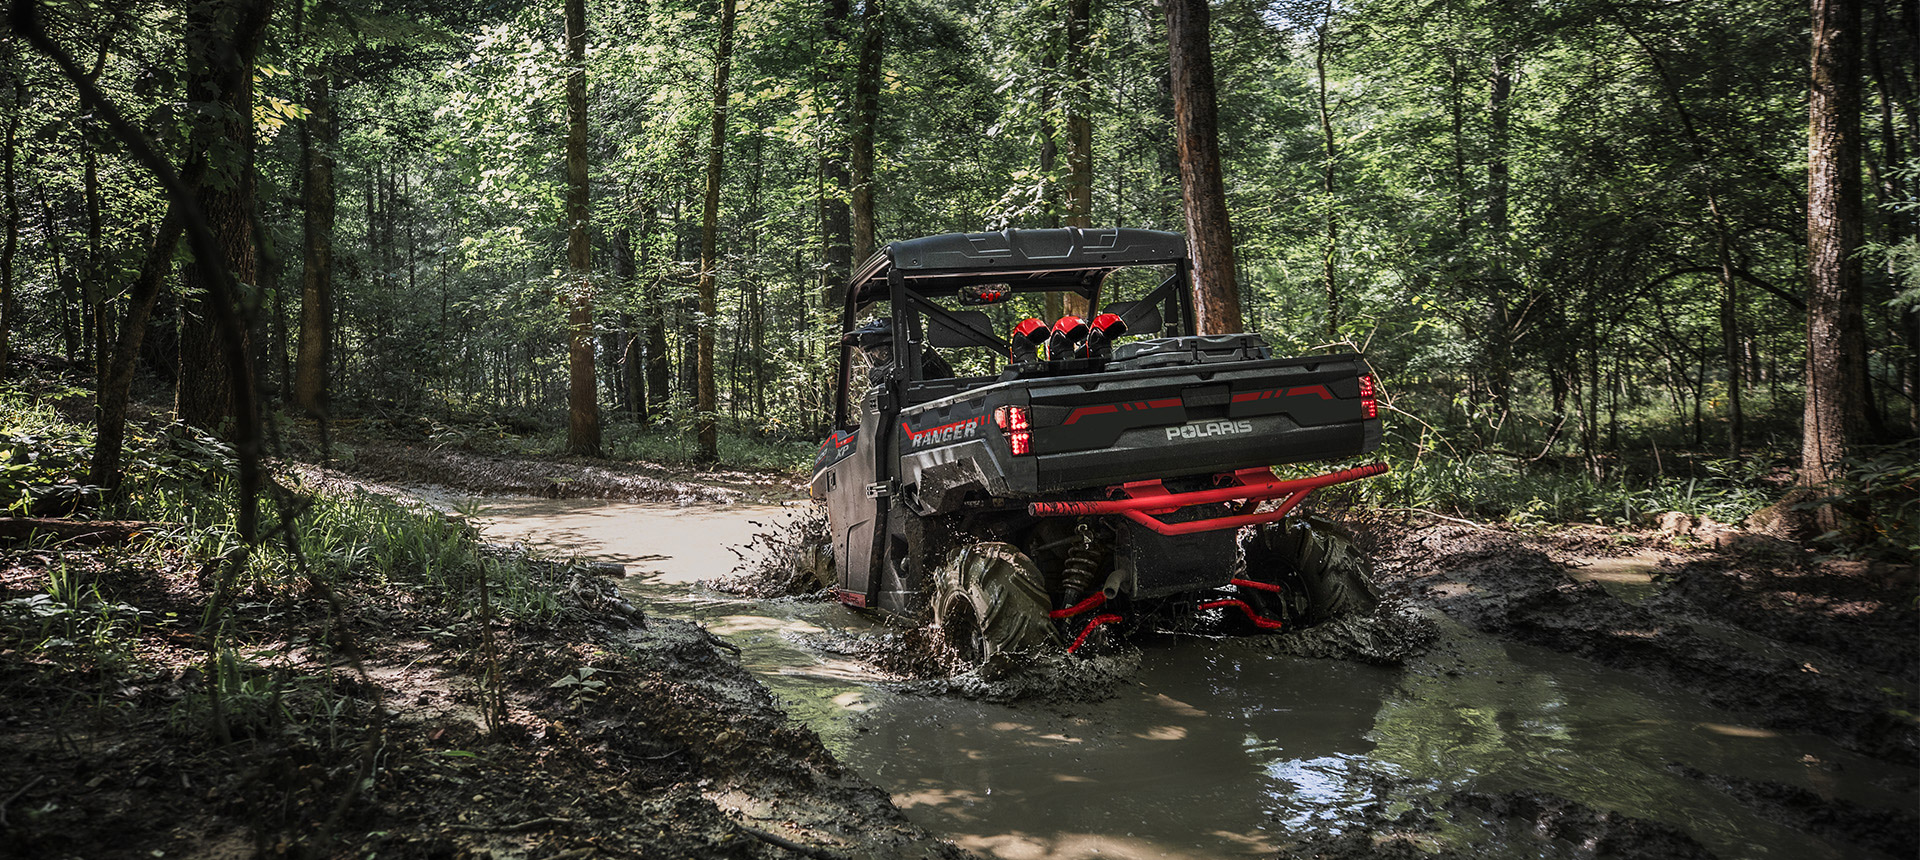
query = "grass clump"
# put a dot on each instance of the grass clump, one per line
(248, 638)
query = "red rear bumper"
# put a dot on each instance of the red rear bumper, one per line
(1141, 500)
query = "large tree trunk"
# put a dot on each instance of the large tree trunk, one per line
(583, 407)
(1835, 409)
(866, 123)
(320, 140)
(1079, 130)
(708, 400)
(834, 183)
(222, 38)
(1196, 124)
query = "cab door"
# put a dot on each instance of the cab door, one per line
(857, 491)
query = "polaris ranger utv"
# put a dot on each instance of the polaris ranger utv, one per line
(1064, 478)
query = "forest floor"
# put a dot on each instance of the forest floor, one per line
(628, 735)
(354, 720)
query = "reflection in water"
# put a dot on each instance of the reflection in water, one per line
(1217, 749)
(1523, 718)
(1146, 774)
(1318, 791)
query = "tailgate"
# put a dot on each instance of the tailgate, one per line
(1108, 428)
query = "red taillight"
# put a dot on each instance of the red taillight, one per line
(1012, 421)
(1368, 405)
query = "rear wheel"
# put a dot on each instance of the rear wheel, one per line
(989, 599)
(1321, 574)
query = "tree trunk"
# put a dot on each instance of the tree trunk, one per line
(1079, 128)
(1834, 417)
(63, 283)
(1330, 253)
(93, 272)
(17, 91)
(866, 122)
(633, 376)
(708, 398)
(1052, 306)
(583, 407)
(1499, 322)
(220, 60)
(320, 141)
(117, 383)
(659, 356)
(1209, 234)
(1729, 330)
(835, 184)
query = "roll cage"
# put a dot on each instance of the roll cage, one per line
(913, 276)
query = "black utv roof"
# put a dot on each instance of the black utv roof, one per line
(1068, 258)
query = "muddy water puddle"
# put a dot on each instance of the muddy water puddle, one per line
(1630, 578)
(1221, 749)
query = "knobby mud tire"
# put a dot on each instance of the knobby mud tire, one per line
(1321, 572)
(990, 599)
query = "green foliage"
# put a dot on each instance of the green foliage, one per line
(580, 683)
(1505, 488)
(674, 445)
(1882, 485)
(181, 476)
(71, 620)
(666, 442)
(41, 453)
(1518, 210)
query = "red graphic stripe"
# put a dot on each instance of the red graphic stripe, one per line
(1321, 390)
(1135, 406)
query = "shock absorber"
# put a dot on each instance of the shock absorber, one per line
(1082, 568)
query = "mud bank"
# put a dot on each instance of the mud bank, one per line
(1793, 643)
(364, 731)
(570, 478)
(1518, 823)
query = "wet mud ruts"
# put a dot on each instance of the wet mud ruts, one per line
(1471, 825)
(1700, 633)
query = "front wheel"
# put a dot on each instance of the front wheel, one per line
(989, 599)
(1322, 575)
